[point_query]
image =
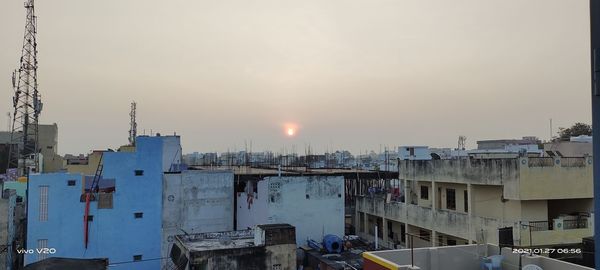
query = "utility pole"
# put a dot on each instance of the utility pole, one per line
(27, 102)
(595, 93)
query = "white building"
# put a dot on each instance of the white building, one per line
(195, 202)
(312, 204)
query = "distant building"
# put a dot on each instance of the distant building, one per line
(142, 198)
(504, 143)
(414, 153)
(47, 143)
(312, 204)
(262, 247)
(577, 147)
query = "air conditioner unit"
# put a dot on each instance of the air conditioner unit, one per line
(558, 223)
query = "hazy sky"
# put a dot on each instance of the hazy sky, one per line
(351, 74)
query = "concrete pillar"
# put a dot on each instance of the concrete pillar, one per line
(470, 206)
(384, 232)
(365, 223)
(433, 210)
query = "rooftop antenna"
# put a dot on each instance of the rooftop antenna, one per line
(27, 102)
(462, 141)
(132, 124)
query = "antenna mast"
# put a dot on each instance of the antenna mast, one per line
(27, 102)
(132, 125)
(462, 141)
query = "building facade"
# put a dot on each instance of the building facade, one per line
(312, 204)
(195, 202)
(540, 201)
(123, 225)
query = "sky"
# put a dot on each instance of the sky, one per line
(347, 74)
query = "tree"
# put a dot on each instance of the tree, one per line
(577, 129)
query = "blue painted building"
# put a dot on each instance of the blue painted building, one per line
(125, 223)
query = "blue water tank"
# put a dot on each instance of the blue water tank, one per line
(333, 244)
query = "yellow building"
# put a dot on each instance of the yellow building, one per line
(542, 201)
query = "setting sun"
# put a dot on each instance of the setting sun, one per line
(290, 132)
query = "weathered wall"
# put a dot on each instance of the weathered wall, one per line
(254, 211)
(476, 171)
(196, 202)
(4, 203)
(567, 178)
(488, 202)
(317, 203)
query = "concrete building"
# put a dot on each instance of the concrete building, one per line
(8, 230)
(573, 148)
(540, 201)
(47, 143)
(85, 165)
(312, 204)
(263, 247)
(143, 199)
(414, 153)
(466, 257)
(195, 202)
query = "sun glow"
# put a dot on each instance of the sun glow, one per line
(290, 129)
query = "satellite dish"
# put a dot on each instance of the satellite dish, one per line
(531, 267)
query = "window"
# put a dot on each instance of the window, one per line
(425, 192)
(42, 243)
(451, 199)
(90, 218)
(390, 228)
(361, 221)
(71, 183)
(138, 215)
(466, 194)
(139, 172)
(411, 151)
(137, 258)
(451, 242)
(43, 208)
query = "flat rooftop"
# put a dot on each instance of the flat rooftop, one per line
(217, 240)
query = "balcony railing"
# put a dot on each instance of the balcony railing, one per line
(567, 224)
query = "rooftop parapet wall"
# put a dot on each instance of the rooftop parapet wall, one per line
(474, 171)
(555, 178)
(524, 178)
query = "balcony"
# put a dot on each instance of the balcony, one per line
(444, 221)
(565, 230)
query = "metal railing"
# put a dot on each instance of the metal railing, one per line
(567, 224)
(573, 162)
(543, 225)
(540, 162)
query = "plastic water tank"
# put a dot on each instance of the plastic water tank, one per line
(333, 244)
